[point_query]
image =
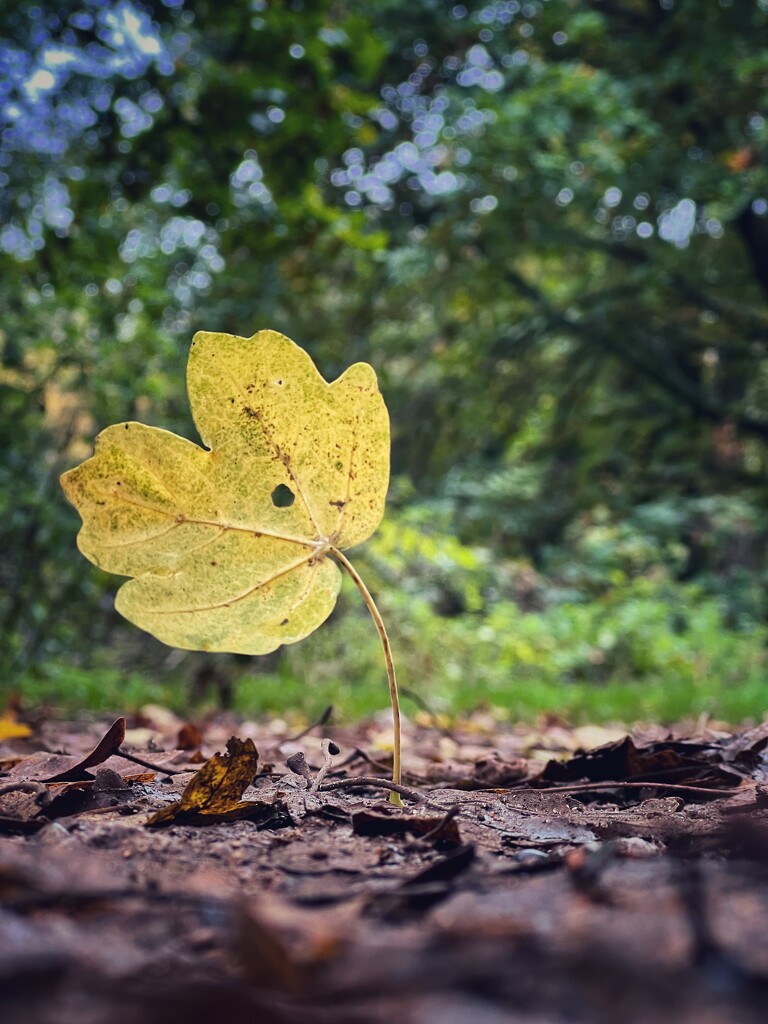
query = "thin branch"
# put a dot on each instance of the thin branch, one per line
(367, 781)
(581, 787)
(667, 378)
(450, 814)
(153, 767)
(358, 754)
(727, 309)
(300, 736)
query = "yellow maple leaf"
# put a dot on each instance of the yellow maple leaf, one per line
(231, 547)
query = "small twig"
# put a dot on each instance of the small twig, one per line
(450, 814)
(419, 701)
(329, 748)
(580, 787)
(116, 809)
(325, 717)
(153, 767)
(358, 754)
(367, 781)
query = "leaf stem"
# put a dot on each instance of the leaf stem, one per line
(393, 695)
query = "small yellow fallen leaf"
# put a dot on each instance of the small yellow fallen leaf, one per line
(11, 729)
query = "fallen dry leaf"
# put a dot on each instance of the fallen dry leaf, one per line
(11, 728)
(213, 795)
(189, 737)
(439, 829)
(108, 745)
(653, 763)
(107, 790)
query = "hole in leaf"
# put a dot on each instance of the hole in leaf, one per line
(282, 496)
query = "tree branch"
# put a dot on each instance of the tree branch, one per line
(668, 377)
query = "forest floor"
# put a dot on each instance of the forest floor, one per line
(523, 881)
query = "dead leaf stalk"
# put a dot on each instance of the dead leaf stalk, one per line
(392, 679)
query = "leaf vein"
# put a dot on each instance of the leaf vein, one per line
(352, 453)
(270, 440)
(239, 597)
(214, 522)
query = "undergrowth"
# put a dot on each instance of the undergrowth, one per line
(609, 641)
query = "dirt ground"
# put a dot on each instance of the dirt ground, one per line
(524, 881)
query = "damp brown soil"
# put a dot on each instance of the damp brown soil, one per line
(530, 876)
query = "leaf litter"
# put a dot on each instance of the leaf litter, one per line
(561, 895)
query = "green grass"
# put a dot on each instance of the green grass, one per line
(68, 690)
(646, 650)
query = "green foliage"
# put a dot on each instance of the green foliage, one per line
(650, 650)
(545, 226)
(514, 628)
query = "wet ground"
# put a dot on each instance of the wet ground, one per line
(523, 880)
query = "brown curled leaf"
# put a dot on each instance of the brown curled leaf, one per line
(108, 745)
(438, 829)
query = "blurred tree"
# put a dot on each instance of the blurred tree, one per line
(591, 198)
